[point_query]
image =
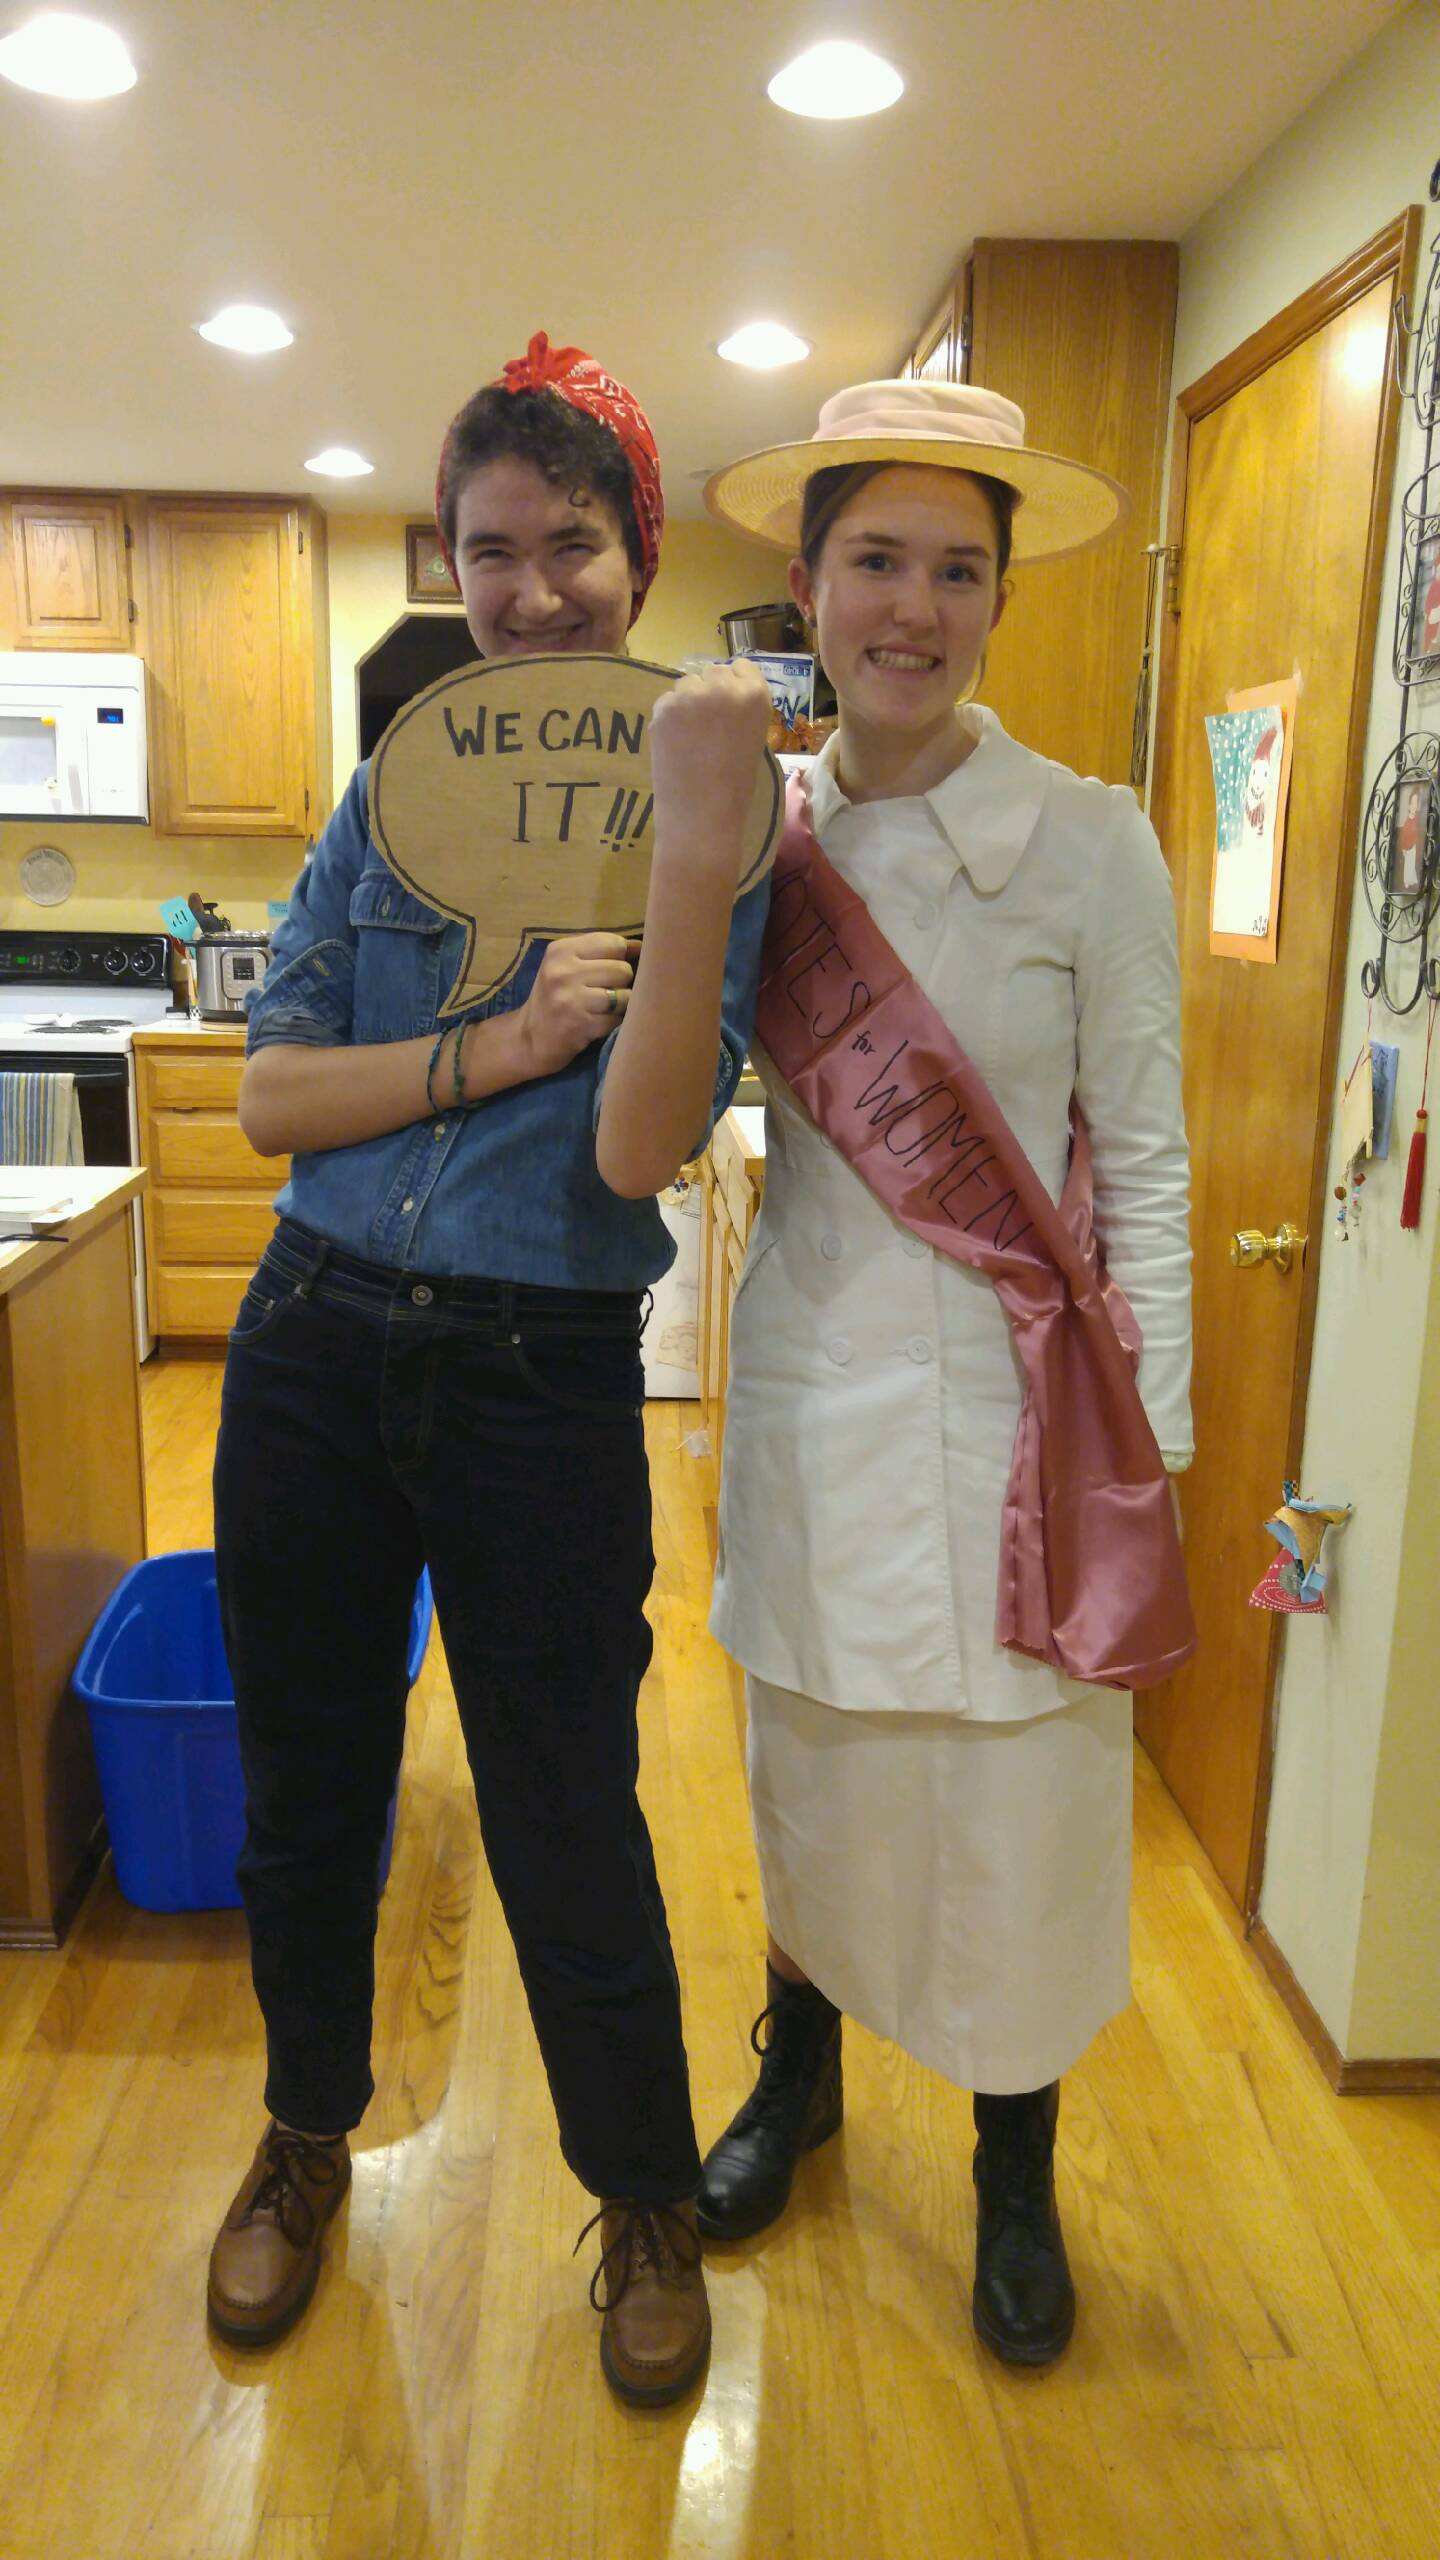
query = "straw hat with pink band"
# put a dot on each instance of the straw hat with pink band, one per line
(955, 426)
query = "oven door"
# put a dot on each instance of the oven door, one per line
(103, 1085)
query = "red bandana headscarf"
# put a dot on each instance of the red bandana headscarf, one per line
(586, 385)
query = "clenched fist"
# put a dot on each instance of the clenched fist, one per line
(580, 993)
(706, 738)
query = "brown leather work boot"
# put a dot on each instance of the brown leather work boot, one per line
(650, 2285)
(266, 2258)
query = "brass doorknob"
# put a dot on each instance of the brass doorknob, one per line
(1252, 1245)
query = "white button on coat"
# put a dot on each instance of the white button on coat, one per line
(832, 1246)
(860, 1513)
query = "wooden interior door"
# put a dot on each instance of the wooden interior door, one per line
(1280, 490)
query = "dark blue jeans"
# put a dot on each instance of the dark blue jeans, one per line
(372, 1421)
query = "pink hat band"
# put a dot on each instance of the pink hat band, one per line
(954, 412)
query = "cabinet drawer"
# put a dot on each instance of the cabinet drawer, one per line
(193, 1227)
(202, 1303)
(188, 1083)
(201, 1147)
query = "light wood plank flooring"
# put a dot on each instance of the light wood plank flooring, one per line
(1254, 2371)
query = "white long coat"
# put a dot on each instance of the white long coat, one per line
(874, 1389)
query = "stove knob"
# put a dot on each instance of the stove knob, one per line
(113, 963)
(143, 963)
(66, 959)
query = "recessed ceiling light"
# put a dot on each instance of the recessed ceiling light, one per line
(836, 80)
(67, 57)
(763, 344)
(338, 462)
(248, 328)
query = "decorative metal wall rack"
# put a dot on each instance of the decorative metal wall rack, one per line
(1400, 848)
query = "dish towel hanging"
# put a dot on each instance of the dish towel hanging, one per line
(40, 1120)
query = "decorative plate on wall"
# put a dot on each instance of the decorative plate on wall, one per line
(47, 875)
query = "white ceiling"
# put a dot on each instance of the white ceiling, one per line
(415, 188)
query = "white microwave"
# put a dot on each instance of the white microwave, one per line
(72, 735)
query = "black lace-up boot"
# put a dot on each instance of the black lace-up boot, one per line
(1024, 2303)
(796, 2103)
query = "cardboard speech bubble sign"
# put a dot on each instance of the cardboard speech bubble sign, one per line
(514, 795)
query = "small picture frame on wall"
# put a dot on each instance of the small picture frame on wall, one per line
(1410, 839)
(427, 574)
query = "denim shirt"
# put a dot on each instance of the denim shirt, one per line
(508, 1189)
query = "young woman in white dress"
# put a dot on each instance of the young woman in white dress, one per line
(943, 1824)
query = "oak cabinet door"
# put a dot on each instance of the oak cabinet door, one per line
(71, 574)
(231, 655)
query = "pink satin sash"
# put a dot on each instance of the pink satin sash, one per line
(1092, 1578)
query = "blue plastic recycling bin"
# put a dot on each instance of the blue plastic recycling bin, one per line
(155, 1680)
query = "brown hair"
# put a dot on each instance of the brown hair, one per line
(828, 491)
(566, 446)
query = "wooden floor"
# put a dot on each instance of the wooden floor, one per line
(1254, 2370)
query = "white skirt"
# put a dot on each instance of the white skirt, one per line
(962, 1888)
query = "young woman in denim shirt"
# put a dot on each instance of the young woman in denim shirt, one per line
(438, 1363)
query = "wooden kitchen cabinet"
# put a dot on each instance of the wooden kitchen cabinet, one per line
(236, 640)
(67, 582)
(1080, 334)
(208, 1213)
(732, 1180)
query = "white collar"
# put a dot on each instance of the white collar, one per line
(987, 809)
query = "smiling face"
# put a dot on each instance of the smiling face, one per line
(904, 596)
(541, 566)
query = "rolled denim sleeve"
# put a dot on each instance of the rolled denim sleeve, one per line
(307, 998)
(738, 994)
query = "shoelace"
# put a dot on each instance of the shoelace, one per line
(1017, 2180)
(779, 2070)
(653, 2235)
(280, 2190)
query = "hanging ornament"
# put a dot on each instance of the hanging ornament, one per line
(1415, 1167)
(1295, 1582)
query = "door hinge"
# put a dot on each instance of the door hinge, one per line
(300, 535)
(130, 603)
(1168, 554)
(129, 537)
(307, 799)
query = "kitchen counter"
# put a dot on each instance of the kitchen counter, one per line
(750, 1130)
(185, 1029)
(98, 1192)
(72, 1522)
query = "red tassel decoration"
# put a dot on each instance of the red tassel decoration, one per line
(1415, 1169)
(1415, 1174)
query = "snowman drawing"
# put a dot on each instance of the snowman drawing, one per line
(1257, 797)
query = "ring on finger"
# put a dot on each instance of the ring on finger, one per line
(613, 999)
